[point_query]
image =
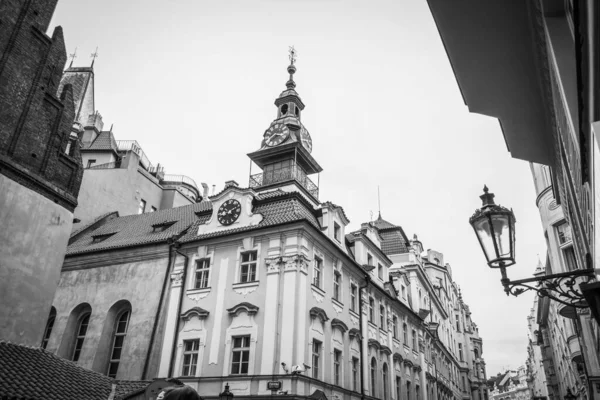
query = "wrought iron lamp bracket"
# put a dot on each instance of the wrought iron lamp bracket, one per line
(560, 287)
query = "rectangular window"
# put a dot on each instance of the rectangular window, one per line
(380, 271)
(336, 232)
(316, 357)
(337, 367)
(90, 163)
(353, 294)
(570, 260)
(408, 390)
(460, 352)
(403, 292)
(369, 259)
(355, 372)
(317, 272)
(248, 267)
(405, 333)
(563, 231)
(417, 392)
(398, 388)
(202, 270)
(337, 278)
(382, 317)
(142, 208)
(240, 355)
(190, 357)
(395, 327)
(371, 309)
(414, 340)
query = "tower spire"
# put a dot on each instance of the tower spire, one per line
(73, 56)
(94, 56)
(290, 84)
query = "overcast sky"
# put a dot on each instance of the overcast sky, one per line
(194, 83)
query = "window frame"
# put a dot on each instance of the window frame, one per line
(80, 337)
(382, 317)
(116, 334)
(317, 280)
(355, 373)
(373, 369)
(316, 356)
(395, 327)
(204, 273)
(405, 333)
(48, 328)
(142, 207)
(252, 265)
(192, 366)
(380, 271)
(242, 350)
(90, 162)
(353, 296)
(337, 367)
(414, 339)
(337, 285)
(337, 230)
(385, 373)
(371, 309)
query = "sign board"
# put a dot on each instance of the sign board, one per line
(274, 385)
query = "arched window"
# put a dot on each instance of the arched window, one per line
(119, 333)
(373, 375)
(384, 373)
(82, 326)
(49, 325)
(476, 353)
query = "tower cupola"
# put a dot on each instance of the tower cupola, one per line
(285, 150)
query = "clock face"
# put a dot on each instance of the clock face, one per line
(305, 138)
(276, 134)
(229, 212)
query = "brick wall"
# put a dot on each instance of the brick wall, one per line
(35, 124)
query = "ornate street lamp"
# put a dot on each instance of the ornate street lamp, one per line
(494, 226)
(226, 395)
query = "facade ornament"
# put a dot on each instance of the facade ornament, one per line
(197, 296)
(273, 265)
(177, 278)
(245, 290)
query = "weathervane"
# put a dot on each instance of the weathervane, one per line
(94, 55)
(73, 56)
(293, 54)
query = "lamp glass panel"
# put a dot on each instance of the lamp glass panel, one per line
(502, 234)
(484, 233)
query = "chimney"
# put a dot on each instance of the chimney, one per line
(214, 188)
(204, 190)
(231, 183)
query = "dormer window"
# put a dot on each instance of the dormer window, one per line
(162, 227)
(336, 231)
(101, 238)
(284, 109)
(380, 271)
(369, 259)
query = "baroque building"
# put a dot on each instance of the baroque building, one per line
(265, 289)
(40, 173)
(510, 385)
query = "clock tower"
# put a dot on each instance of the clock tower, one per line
(285, 152)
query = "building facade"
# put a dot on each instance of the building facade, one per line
(266, 289)
(40, 174)
(118, 175)
(534, 67)
(510, 385)
(536, 373)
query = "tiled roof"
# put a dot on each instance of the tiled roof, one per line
(283, 208)
(394, 239)
(332, 205)
(81, 228)
(135, 230)
(32, 373)
(127, 388)
(104, 141)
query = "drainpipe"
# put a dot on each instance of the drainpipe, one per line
(176, 246)
(360, 323)
(160, 303)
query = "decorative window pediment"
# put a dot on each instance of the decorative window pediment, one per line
(320, 313)
(250, 309)
(374, 343)
(386, 350)
(408, 363)
(355, 333)
(398, 357)
(336, 323)
(195, 311)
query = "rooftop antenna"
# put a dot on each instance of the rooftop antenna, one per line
(111, 126)
(379, 201)
(94, 55)
(73, 56)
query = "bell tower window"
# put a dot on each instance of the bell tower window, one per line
(297, 111)
(284, 109)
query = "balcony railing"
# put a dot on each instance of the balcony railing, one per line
(110, 165)
(180, 179)
(282, 175)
